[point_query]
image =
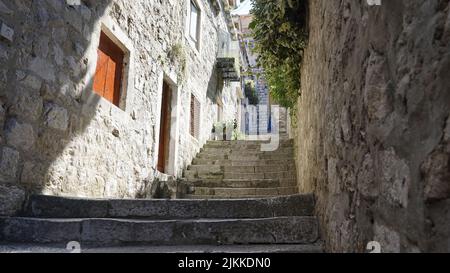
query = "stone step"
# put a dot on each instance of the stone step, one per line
(245, 143)
(63, 207)
(246, 155)
(242, 183)
(193, 175)
(207, 168)
(267, 174)
(235, 183)
(227, 162)
(245, 192)
(257, 150)
(182, 249)
(119, 232)
(275, 167)
(253, 157)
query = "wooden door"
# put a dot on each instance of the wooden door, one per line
(108, 75)
(164, 132)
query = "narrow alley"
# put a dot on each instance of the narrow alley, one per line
(224, 126)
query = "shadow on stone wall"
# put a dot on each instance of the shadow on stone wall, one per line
(45, 98)
(215, 86)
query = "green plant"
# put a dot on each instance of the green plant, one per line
(225, 127)
(280, 32)
(250, 93)
(237, 135)
(177, 54)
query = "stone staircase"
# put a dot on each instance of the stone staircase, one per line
(240, 169)
(279, 224)
(242, 200)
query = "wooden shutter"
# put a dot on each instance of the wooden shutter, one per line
(108, 75)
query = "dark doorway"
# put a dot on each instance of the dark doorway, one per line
(164, 131)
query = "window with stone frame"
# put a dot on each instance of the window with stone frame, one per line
(194, 22)
(195, 117)
(109, 71)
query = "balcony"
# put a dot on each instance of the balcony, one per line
(228, 59)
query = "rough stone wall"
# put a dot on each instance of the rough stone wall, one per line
(373, 124)
(57, 136)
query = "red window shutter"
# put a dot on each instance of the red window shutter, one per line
(100, 74)
(108, 75)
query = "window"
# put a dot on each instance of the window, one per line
(195, 117)
(109, 71)
(194, 22)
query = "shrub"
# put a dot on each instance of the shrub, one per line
(280, 32)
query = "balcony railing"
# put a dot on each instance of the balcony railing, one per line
(228, 59)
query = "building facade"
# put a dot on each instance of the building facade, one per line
(257, 118)
(97, 97)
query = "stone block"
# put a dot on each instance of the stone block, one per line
(2, 114)
(56, 117)
(437, 174)
(42, 68)
(33, 173)
(388, 238)
(4, 9)
(396, 178)
(12, 199)
(27, 105)
(20, 135)
(9, 164)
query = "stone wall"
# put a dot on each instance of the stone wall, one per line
(58, 137)
(373, 124)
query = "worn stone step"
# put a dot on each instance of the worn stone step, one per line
(248, 143)
(250, 157)
(207, 168)
(240, 169)
(245, 156)
(63, 207)
(272, 156)
(276, 167)
(210, 162)
(242, 183)
(213, 156)
(227, 162)
(117, 232)
(229, 175)
(235, 183)
(245, 192)
(267, 174)
(193, 174)
(228, 151)
(184, 249)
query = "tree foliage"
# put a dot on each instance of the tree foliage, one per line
(250, 93)
(280, 32)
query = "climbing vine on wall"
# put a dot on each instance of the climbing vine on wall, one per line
(280, 33)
